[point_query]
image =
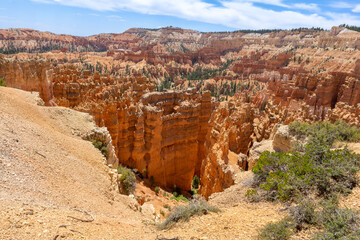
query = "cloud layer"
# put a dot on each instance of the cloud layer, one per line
(357, 9)
(238, 14)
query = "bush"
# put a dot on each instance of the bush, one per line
(127, 180)
(197, 206)
(326, 133)
(304, 215)
(152, 180)
(144, 172)
(336, 223)
(313, 170)
(176, 191)
(339, 223)
(287, 176)
(195, 183)
(277, 231)
(162, 213)
(101, 146)
(2, 83)
(336, 173)
(157, 190)
(177, 197)
(283, 176)
(252, 195)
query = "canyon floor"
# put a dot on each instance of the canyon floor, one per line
(49, 175)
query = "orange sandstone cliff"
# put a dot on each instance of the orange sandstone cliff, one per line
(255, 81)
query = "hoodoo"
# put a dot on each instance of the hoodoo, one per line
(141, 130)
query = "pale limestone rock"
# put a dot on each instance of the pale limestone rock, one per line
(257, 149)
(148, 210)
(283, 140)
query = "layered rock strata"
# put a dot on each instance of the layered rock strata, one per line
(230, 130)
(166, 135)
(162, 134)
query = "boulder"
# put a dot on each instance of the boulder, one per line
(257, 149)
(283, 140)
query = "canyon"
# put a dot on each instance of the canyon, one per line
(179, 103)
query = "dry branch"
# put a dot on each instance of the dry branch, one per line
(83, 220)
(40, 154)
(57, 230)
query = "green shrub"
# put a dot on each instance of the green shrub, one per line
(195, 183)
(312, 170)
(2, 83)
(325, 132)
(282, 175)
(127, 180)
(152, 180)
(157, 190)
(252, 195)
(101, 146)
(144, 172)
(177, 197)
(304, 215)
(281, 230)
(162, 213)
(167, 206)
(183, 213)
(336, 173)
(339, 223)
(286, 176)
(176, 191)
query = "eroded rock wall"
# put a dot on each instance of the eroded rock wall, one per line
(230, 130)
(162, 133)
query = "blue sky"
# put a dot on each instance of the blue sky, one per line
(88, 17)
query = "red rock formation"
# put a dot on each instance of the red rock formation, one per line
(280, 76)
(28, 75)
(230, 130)
(163, 133)
(169, 131)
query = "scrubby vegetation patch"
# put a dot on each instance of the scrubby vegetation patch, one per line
(2, 83)
(101, 146)
(127, 181)
(196, 206)
(311, 178)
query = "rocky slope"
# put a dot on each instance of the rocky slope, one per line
(47, 171)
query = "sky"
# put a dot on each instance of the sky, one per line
(89, 17)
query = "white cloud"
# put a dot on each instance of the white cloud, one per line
(304, 6)
(45, 1)
(341, 5)
(116, 18)
(237, 14)
(269, 2)
(356, 9)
